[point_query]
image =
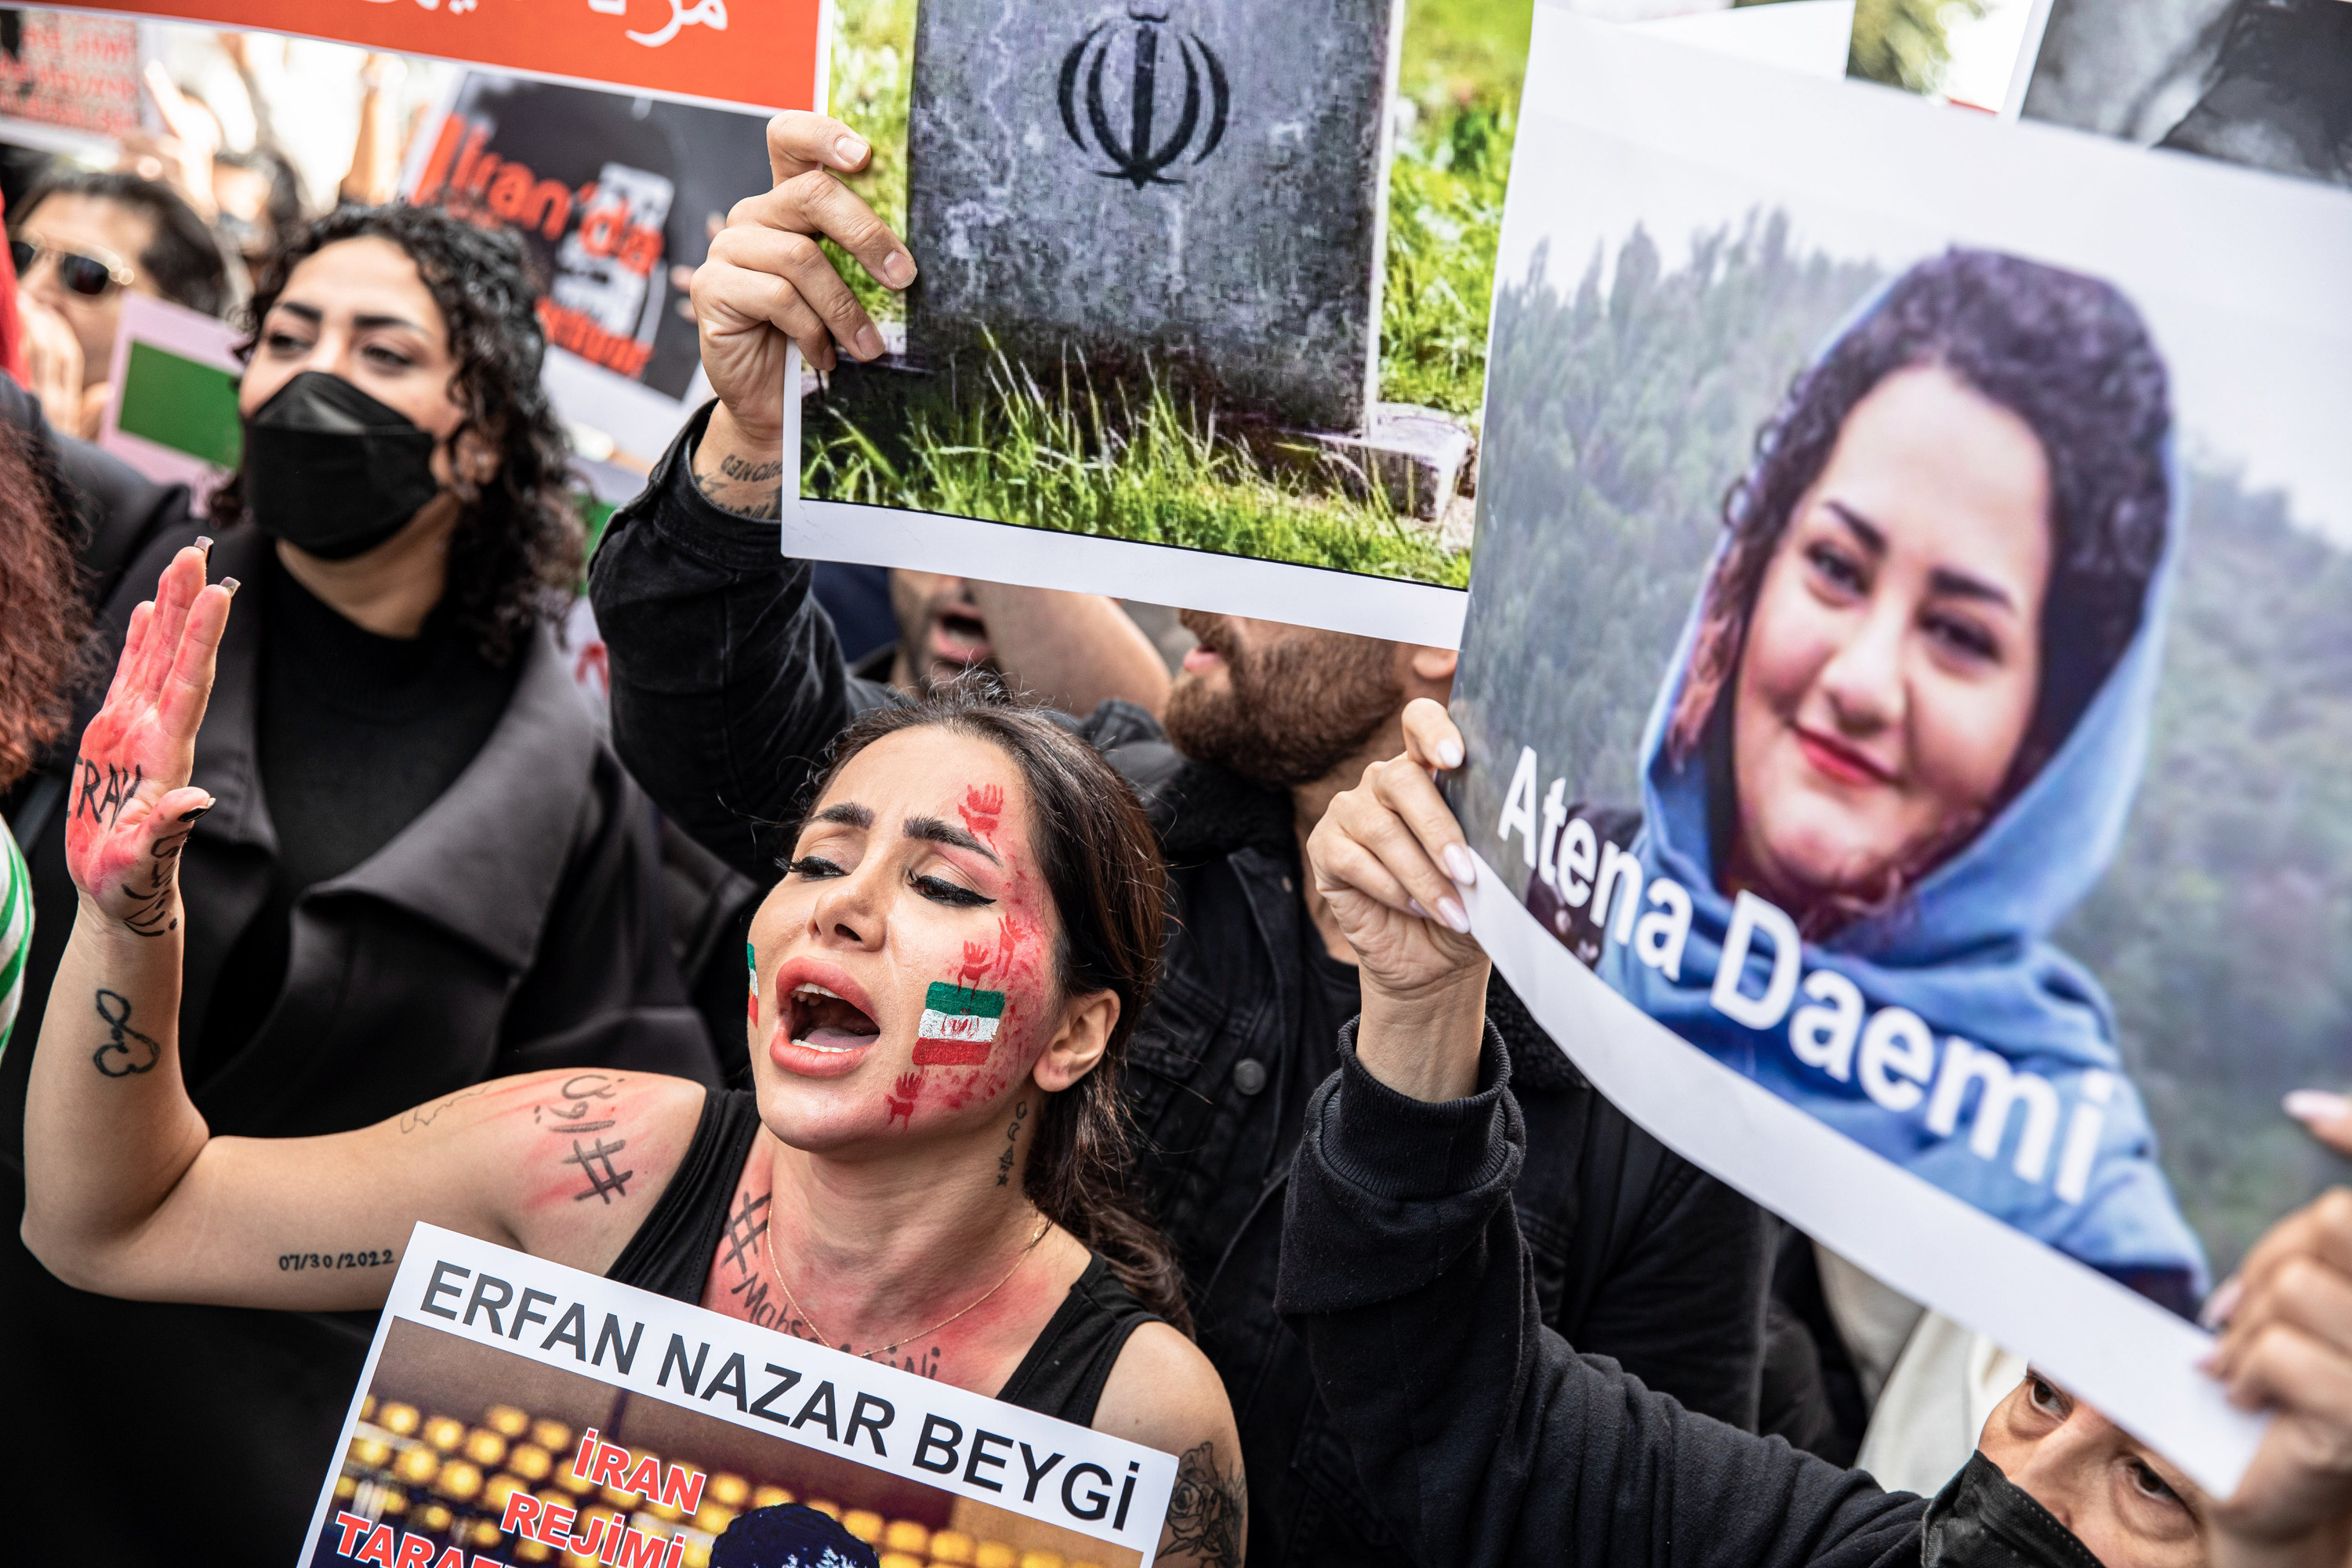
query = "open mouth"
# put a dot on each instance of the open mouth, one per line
(820, 1020)
(959, 638)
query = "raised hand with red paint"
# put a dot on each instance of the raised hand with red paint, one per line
(131, 806)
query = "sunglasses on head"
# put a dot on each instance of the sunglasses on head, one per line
(81, 273)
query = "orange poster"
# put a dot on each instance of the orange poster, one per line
(761, 53)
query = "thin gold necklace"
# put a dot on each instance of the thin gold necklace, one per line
(1045, 1224)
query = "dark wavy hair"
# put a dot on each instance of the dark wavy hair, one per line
(42, 625)
(516, 555)
(2067, 354)
(1103, 870)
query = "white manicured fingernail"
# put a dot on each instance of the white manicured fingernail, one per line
(1450, 910)
(898, 269)
(1460, 867)
(1414, 905)
(2221, 1303)
(2317, 1105)
(851, 151)
(1450, 753)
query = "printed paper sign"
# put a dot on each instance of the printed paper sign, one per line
(172, 413)
(72, 73)
(1905, 683)
(763, 54)
(617, 199)
(514, 1410)
(1201, 310)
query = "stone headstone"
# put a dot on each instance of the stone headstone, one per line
(1194, 187)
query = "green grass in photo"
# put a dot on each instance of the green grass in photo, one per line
(1138, 465)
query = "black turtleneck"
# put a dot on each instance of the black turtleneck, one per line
(358, 734)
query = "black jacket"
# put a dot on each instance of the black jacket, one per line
(519, 923)
(728, 684)
(1484, 1438)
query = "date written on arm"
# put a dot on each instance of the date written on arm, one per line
(296, 1262)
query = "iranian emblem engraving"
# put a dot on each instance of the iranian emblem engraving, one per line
(1153, 52)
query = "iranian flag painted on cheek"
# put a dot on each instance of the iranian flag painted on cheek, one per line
(959, 1026)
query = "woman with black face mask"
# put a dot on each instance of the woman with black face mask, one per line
(429, 870)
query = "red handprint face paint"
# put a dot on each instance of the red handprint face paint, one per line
(983, 806)
(907, 955)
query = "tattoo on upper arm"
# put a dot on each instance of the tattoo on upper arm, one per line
(1207, 1512)
(606, 1183)
(747, 489)
(424, 1115)
(584, 1104)
(136, 1052)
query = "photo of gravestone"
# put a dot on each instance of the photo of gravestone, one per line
(1194, 272)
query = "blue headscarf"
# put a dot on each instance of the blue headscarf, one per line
(1966, 950)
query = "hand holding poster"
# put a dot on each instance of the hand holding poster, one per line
(1842, 786)
(516, 1410)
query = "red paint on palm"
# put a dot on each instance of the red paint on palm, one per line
(131, 808)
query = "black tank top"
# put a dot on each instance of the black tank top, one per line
(1061, 1376)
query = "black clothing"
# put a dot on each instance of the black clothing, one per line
(517, 924)
(726, 686)
(358, 735)
(1066, 1367)
(1482, 1437)
(1068, 1363)
(671, 1252)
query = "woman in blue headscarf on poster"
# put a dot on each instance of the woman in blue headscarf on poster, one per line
(1899, 744)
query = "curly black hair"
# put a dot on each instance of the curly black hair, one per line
(2067, 354)
(516, 555)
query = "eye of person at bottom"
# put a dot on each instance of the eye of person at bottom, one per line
(939, 891)
(2152, 1485)
(2047, 1399)
(812, 866)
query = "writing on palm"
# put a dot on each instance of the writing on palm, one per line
(131, 811)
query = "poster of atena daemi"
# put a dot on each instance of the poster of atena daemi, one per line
(1908, 685)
